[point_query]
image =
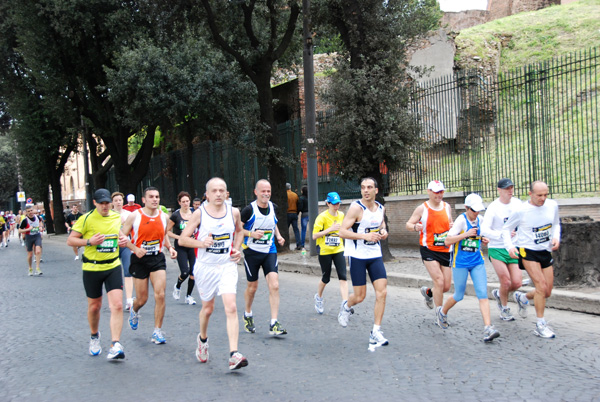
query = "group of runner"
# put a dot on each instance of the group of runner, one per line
(209, 241)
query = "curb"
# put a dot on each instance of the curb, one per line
(560, 299)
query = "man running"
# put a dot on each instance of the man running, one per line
(507, 268)
(538, 234)
(131, 204)
(260, 231)
(326, 231)
(219, 237)
(148, 233)
(32, 227)
(363, 228)
(99, 231)
(124, 252)
(70, 221)
(432, 220)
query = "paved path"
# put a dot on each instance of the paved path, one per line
(45, 334)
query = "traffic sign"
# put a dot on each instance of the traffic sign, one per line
(30, 201)
(21, 196)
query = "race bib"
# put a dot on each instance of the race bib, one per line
(371, 230)
(109, 245)
(332, 240)
(439, 239)
(541, 234)
(220, 244)
(470, 244)
(151, 246)
(265, 239)
(34, 230)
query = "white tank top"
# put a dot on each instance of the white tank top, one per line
(267, 224)
(370, 222)
(222, 230)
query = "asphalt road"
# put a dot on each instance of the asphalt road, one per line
(45, 335)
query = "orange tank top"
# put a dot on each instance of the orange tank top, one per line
(148, 232)
(435, 227)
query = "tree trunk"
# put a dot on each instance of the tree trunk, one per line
(58, 222)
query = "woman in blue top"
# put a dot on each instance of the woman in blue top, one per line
(467, 258)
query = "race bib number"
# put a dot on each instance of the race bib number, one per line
(109, 245)
(332, 240)
(439, 239)
(541, 234)
(34, 230)
(371, 230)
(220, 244)
(151, 246)
(470, 244)
(182, 225)
(265, 239)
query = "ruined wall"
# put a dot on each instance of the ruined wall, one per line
(577, 261)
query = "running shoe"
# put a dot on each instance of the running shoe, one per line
(76, 257)
(30, 272)
(237, 361)
(38, 272)
(22, 243)
(277, 329)
(522, 306)
(344, 314)
(190, 300)
(158, 338)
(543, 331)
(428, 299)
(116, 352)
(202, 351)
(176, 292)
(249, 324)
(506, 315)
(440, 318)
(318, 304)
(95, 348)
(377, 339)
(133, 319)
(129, 304)
(490, 333)
(496, 294)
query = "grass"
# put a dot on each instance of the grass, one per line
(532, 36)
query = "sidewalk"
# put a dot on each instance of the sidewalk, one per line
(407, 270)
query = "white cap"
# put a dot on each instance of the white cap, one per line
(131, 197)
(436, 186)
(474, 202)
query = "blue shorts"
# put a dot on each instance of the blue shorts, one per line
(360, 267)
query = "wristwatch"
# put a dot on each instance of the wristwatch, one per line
(88, 243)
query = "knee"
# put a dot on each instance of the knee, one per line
(184, 275)
(207, 309)
(117, 306)
(252, 287)
(230, 309)
(458, 296)
(274, 286)
(359, 297)
(325, 279)
(94, 308)
(506, 283)
(543, 289)
(381, 294)
(159, 295)
(515, 284)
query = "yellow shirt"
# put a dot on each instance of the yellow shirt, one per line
(92, 223)
(331, 243)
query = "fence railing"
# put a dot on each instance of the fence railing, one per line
(539, 122)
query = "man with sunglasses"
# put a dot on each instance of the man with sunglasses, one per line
(432, 220)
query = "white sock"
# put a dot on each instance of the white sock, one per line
(524, 298)
(376, 328)
(504, 307)
(273, 321)
(541, 321)
(156, 330)
(248, 314)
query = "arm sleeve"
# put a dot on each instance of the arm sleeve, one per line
(486, 226)
(458, 227)
(246, 213)
(556, 224)
(509, 226)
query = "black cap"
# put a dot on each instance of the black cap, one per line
(505, 183)
(102, 195)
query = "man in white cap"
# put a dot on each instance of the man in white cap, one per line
(467, 258)
(538, 234)
(506, 267)
(432, 220)
(131, 205)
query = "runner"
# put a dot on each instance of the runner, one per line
(148, 232)
(219, 235)
(71, 219)
(363, 228)
(186, 257)
(100, 232)
(31, 227)
(432, 220)
(197, 202)
(3, 229)
(131, 205)
(467, 258)
(538, 234)
(124, 252)
(260, 229)
(330, 247)
(507, 268)
(22, 216)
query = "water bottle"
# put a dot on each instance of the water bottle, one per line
(304, 258)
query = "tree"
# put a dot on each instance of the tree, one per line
(8, 168)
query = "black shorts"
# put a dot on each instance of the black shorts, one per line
(93, 280)
(140, 268)
(340, 266)
(31, 240)
(253, 260)
(543, 257)
(439, 256)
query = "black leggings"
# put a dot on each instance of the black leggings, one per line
(340, 266)
(186, 258)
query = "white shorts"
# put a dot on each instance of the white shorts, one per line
(215, 279)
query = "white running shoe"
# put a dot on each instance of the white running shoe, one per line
(116, 352)
(496, 294)
(428, 299)
(490, 333)
(129, 304)
(344, 315)
(202, 350)
(377, 339)
(522, 306)
(543, 331)
(95, 348)
(76, 257)
(319, 304)
(176, 292)
(506, 315)
(190, 300)
(237, 361)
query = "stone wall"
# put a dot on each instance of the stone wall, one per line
(577, 261)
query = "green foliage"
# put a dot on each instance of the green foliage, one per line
(8, 169)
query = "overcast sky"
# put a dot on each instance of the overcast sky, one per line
(460, 5)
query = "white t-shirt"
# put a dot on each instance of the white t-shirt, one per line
(537, 226)
(496, 215)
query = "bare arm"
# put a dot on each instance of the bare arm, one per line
(238, 238)
(413, 224)
(170, 233)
